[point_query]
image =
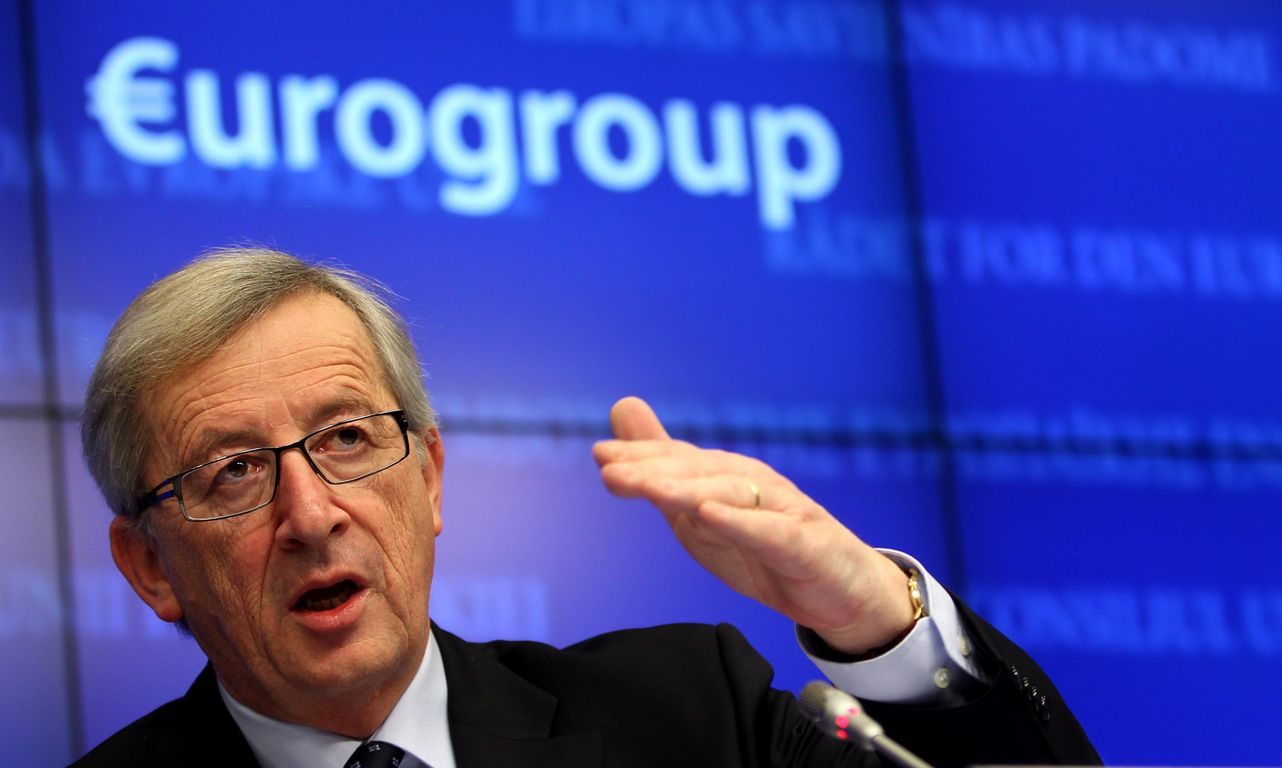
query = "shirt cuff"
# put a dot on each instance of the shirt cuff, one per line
(935, 664)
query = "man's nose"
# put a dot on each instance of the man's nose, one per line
(305, 505)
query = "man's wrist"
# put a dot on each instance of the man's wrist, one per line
(935, 664)
(827, 650)
(895, 605)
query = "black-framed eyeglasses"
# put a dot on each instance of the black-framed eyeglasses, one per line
(242, 482)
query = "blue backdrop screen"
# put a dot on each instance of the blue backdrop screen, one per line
(995, 282)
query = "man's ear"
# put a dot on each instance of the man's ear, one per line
(135, 555)
(433, 471)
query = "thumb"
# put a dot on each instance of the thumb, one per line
(633, 419)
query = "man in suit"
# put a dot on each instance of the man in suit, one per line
(260, 427)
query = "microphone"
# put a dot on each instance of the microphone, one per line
(841, 716)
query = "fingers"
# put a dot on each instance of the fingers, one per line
(633, 419)
(733, 499)
(719, 511)
(673, 474)
(706, 460)
(685, 493)
(606, 451)
(649, 463)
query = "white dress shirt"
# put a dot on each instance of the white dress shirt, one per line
(929, 665)
(418, 724)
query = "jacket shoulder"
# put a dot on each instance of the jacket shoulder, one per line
(195, 730)
(679, 694)
(689, 656)
(138, 742)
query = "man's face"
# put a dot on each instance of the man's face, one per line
(321, 597)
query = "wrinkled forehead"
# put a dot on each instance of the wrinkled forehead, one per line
(303, 361)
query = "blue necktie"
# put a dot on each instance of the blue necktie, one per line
(375, 754)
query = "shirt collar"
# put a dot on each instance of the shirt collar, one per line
(418, 724)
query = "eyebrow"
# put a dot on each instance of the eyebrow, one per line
(341, 407)
(214, 443)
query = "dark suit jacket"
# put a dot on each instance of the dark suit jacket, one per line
(678, 695)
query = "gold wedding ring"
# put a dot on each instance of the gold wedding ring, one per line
(756, 495)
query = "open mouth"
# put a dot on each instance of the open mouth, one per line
(327, 598)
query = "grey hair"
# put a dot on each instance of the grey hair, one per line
(182, 320)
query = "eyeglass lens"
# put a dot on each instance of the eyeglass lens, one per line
(245, 481)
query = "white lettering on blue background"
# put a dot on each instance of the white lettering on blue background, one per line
(353, 119)
(1148, 621)
(485, 175)
(639, 163)
(727, 169)
(967, 37)
(252, 146)
(123, 100)
(1097, 259)
(383, 130)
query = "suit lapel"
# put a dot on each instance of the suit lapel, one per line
(206, 734)
(496, 717)
(499, 718)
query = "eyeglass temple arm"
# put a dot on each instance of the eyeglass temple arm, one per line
(151, 498)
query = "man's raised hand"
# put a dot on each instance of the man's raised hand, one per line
(758, 532)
